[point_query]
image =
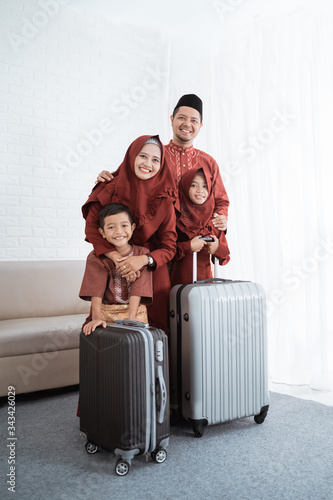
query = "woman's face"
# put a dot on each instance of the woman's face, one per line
(198, 192)
(148, 161)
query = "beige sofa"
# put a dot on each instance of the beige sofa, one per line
(40, 321)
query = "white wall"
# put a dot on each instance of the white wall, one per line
(66, 71)
(76, 89)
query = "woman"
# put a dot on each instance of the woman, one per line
(144, 184)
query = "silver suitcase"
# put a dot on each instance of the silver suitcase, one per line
(218, 351)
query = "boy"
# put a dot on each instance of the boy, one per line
(102, 284)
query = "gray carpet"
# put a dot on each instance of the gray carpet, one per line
(289, 456)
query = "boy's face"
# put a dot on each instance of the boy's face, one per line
(117, 229)
(198, 192)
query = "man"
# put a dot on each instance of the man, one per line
(186, 122)
(181, 156)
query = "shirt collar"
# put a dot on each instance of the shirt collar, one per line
(179, 148)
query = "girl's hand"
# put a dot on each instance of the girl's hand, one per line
(213, 246)
(92, 325)
(197, 244)
(220, 222)
(129, 265)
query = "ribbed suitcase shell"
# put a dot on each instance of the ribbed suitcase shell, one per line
(218, 337)
(119, 396)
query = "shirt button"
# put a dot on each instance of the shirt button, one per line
(184, 165)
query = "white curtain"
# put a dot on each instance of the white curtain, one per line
(268, 96)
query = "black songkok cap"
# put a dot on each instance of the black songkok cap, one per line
(192, 101)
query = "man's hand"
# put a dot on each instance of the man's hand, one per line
(116, 257)
(92, 325)
(220, 222)
(197, 244)
(213, 246)
(104, 176)
(128, 265)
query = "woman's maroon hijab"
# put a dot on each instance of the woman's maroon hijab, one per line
(143, 197)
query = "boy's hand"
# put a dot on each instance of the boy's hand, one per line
(134, 318)
(197, 244)
(213, 246)
(92, 325)
(132, 277)
(220, 222)
(104, 176)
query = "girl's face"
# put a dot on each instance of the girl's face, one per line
(198, 192)
(148, 161)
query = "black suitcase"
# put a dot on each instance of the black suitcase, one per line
(124, 403)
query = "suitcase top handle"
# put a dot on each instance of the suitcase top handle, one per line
(132, 322)
(215, 280)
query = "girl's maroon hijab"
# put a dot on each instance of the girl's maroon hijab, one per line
(143, 197)
(195, 219)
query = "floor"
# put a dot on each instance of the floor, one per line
(303, 392)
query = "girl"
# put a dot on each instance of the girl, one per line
(194, 219)
(145, 184)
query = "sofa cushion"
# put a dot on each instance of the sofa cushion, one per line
(31, 335)
(31, 289)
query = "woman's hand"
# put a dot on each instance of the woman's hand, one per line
(129, 265)
(213, 246)
(197, 244)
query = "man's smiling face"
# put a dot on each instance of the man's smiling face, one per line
(186, 125)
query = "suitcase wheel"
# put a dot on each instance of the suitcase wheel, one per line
(198, 426)
(159, 455)
(259, 419)
(91, 448)
(198, 432)
(122, 467)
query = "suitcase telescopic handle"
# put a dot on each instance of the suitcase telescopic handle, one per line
(163, 395)
(195, 261)
(207, 238)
